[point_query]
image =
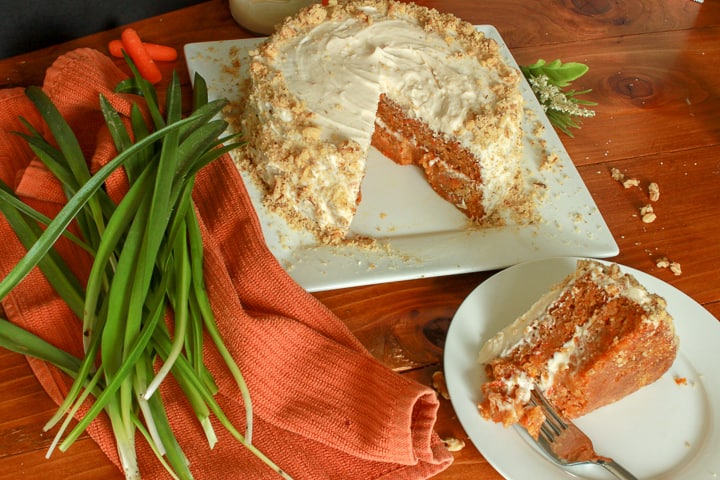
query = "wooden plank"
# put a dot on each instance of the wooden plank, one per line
(544, 22)
(82, 461)
(685, 230)
(660, 86)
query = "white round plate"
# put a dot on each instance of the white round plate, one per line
(667, 430)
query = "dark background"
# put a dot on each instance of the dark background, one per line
(27, 25)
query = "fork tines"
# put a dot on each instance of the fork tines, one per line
(554, 423)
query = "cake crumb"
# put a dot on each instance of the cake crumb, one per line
(454, 444)
(680, 380)
(617, 174)
(438, 383)
(654, 192)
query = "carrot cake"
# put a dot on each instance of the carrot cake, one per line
(591, 340)
(424, 88)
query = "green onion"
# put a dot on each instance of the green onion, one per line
(147, 258)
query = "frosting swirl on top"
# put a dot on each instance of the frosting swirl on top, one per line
(340, 68)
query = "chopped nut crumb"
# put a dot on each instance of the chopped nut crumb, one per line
(662, 262)
(647, 213)
(649, 217)
(454, 444)
(654, 192)
(631, 182)
(311, 133)
(438, 383)
(617, 174)
(675, 268)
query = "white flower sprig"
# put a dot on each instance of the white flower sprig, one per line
(562, 107)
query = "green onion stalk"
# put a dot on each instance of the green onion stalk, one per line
(147, 258)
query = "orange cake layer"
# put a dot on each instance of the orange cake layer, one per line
(593, 339)
(424, 88)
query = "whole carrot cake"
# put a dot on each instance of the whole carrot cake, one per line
(424, 88)
(593, 339)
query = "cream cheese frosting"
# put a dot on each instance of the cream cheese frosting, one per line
(350, 63)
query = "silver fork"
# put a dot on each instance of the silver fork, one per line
(567, 445)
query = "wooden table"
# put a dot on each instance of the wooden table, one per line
(654, 71)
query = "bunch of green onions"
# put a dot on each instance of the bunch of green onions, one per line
(147, 257)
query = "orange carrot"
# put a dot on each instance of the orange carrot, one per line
(159, 53)
(144, 63)
(115, 48)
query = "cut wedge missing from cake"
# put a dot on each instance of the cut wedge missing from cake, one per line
(593, 339)
(422, 87)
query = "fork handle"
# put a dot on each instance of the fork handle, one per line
(618, 470)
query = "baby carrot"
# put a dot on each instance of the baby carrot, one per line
(135, 49)
(159, 53)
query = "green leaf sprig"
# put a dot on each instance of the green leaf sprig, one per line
(563, 107)
(147, 257)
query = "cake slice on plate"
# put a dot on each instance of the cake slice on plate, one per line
(593, 339)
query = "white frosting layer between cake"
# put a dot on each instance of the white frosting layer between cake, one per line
(523, 329)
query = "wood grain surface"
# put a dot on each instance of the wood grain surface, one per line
(654, 68)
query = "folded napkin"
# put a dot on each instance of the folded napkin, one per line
(324, 407)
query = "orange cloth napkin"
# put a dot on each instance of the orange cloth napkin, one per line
(324, 407)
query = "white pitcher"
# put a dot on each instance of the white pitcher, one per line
(261, 16)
